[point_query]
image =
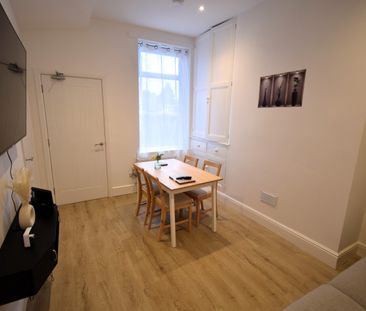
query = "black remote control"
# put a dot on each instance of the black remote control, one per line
(184, 178)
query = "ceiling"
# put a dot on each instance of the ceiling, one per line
(159, 14)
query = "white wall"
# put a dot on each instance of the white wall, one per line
(307, 156)
(7, 212)
(357, 199)
(106, 50)
(362, 237)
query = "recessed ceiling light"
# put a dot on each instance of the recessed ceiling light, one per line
(201, 8)
(177, 2)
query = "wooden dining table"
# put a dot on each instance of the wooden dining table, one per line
(178, 168)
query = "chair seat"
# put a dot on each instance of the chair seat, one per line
(199, 194)
(181, 200)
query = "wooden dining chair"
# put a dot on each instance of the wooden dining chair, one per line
(199, 195)
(143, 190)
(190, 160)
(161, 202)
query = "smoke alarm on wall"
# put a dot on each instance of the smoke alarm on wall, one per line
(177, 2)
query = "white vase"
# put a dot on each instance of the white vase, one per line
(27, 216)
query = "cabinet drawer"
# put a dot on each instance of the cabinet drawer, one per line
(198, 145)
(217, 150)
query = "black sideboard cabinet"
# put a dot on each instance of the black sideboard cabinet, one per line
(24, 270)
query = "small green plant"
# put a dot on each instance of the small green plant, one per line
(158, 156)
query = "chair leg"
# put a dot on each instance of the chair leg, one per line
(190, 218)
(162, 224)
(139, 198)
(198, 212)
(152, 213)
(148, 207)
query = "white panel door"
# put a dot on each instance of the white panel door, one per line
(213, 81)
(30, 160)
(199, 123)
(203, 61)
(201, 87)
(75, 125)
(223, 45)
(219, 112)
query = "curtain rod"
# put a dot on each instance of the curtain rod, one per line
(162, 46)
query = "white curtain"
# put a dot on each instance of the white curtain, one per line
(163, 98)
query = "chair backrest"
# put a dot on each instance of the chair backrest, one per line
(141, 179)
(212, 167)
(159, 198)
(190, 160)
(149, 191)
(138, 174)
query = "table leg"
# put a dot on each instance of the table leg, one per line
(172, 219)
(214, 205)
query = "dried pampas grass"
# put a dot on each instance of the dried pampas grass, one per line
(3, 186)
(21, 184)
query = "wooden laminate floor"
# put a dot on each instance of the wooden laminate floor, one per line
(109, 261)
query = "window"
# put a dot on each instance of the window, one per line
(163, 98)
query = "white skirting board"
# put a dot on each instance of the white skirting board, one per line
(361, 249)
(323, 253)
(121, 190)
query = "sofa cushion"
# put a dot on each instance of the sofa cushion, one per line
(325, 298)
(352, 282)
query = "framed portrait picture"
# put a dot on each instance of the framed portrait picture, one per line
(279, 90)
(295, 88)
(265, 91)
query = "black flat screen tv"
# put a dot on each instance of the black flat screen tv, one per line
(13, 98)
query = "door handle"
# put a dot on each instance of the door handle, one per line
(29, 159)
(101, 144)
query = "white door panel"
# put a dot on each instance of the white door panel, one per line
(219, 112)
(223, 53)
(75, 125)
(212, 89)
(199, 128)
(203, 61)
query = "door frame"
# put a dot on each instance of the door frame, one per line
(39, 97)
(31, 141)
